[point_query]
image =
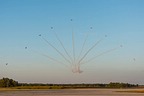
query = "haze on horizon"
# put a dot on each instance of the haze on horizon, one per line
(121, 21)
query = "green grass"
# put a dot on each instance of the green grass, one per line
(31, 88)
(133, 91)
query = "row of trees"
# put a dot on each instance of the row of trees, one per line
(67, 86)
(6, 82)
(110, 85)
(121, 85)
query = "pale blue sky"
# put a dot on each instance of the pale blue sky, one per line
(21, 21)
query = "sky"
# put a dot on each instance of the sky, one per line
(114, 22)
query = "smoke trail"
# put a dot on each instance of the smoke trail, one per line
(73, 46)
(53, 59)
(63, 46)
(76, 69)
(100, 55)
(55, 49)
(89, 50)
(83, 46)
(73, 43)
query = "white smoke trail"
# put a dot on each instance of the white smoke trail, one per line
(56, 50)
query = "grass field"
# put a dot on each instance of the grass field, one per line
(60, 87)
(71, 92)
(133, 91)
(31, 88)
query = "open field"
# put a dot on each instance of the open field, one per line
(73, 92)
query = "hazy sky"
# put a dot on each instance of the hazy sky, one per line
(21, 21)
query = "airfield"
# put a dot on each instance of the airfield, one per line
(74, 92)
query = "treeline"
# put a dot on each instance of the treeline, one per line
(121, 85)
(83, 85)
(6, 82)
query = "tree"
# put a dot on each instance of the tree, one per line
(6, 82)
